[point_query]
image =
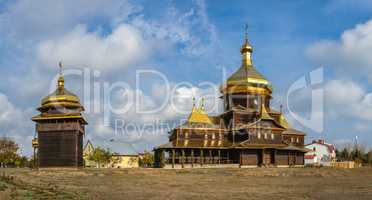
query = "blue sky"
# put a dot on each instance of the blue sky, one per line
(192, 41)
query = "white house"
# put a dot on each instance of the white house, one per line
(321, 153)
(311, 159)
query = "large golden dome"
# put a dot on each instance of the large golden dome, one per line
(61, 97)
(60, 105)
(246, 79)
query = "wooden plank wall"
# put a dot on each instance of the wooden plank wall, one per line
(250, 157)
(60, 149)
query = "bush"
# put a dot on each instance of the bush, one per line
(101, 156)
(147, 160)
(8, 154)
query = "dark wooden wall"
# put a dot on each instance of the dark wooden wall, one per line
(250, 157)
(60, 148)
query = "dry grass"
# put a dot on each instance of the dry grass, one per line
(260, 183)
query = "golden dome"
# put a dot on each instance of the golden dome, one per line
(61, 97)
(246, 79)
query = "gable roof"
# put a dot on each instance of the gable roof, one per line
(330, 147)
(88, 144)
(198, 115)
(199, 119)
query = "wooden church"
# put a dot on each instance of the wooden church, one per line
(248, 133)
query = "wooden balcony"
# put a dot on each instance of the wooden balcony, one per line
(60, 127)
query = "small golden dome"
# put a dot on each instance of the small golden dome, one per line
(246, 47)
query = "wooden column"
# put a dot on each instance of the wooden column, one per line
(219, 156)
(210, 157)
(201, 157)
(240, 159)
(192, 158)
(303, 158)
(295, 158)
(228, 157)
(173, 157)
(183, 158)
(34, 158)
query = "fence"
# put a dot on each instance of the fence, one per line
(346, 164)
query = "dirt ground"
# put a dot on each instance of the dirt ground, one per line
(258, 183)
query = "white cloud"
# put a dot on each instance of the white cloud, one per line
(146, 130)
(132, 42)
(124, 47)
(178, 104)
(343, 92)
(343, 100)
(38, 19)
(15, 123)
(349, 54)
(192, 29)
(9, 114)
(347, 98)
(41, 33)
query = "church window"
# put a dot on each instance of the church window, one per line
(272, 136)
(259, 135)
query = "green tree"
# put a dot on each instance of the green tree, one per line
(21, 161)
(338, 154)
(345, 155)
(357, 154)
(147, 160)
(369, 157)
(101, 156)
(8, 152)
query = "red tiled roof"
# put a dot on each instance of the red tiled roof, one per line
(310, 156)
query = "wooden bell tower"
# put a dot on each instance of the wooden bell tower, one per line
(60, 127)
